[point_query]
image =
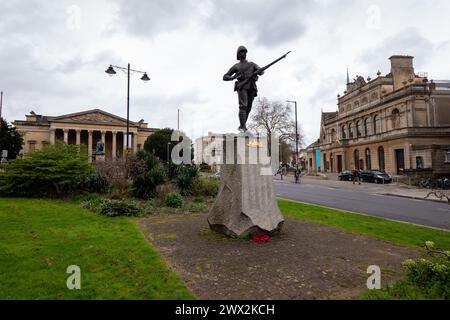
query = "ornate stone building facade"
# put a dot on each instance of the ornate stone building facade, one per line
(84, 128)
(398, 123)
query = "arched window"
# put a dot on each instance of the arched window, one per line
(356, 156)
(381, 158)
(368, 160)
(367, 127)
(351, 130)
(333, 135)
(377, 124)
(344, 132)
(358, 129)
(395, 118)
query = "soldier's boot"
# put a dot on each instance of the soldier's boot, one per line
(242, 120)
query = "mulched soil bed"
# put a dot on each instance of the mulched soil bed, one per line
(306, 261)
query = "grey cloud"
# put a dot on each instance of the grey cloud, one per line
(148, 18)
(408, 41)
(267, 23)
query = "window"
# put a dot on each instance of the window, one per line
(381, 158)
(377, 124)
(447, 156)
(344, 132)
(419, 163)
(367, 129)
(356, 156)
(368, 160)
(358, 129)
(333, 135)
(395, 118)
(350, 130)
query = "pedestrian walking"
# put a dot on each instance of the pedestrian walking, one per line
(298, 174)
(357, 177)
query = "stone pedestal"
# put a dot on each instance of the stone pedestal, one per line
(246, 202)
(100, 158)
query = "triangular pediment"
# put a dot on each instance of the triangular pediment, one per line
(95, 116)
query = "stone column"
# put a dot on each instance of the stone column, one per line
(114, 145)
(135, 142)
(90, 145)
(78, 137)
(66, 136)
(52, 136)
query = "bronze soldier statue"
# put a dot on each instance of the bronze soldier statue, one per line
(246, 73)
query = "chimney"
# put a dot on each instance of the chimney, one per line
(402, 70)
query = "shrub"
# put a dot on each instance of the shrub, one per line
(174, 200)
(185, 178)
(55, 170)
(92, 202)
(147, 173)
(431, 276)
(206, 187)
(425, 279)
(98, 182)
(115, 208)
(163, 189)
(199, 200)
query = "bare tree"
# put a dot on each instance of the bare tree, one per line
(270, 118)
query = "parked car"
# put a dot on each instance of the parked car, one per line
(375, 177)
(345, 176)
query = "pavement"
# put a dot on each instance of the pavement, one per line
(391, 201)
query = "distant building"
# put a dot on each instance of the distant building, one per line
(398, 123)
(86, 127)
(208, 149)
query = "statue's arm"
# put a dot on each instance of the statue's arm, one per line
(229, 75)
(257, 68)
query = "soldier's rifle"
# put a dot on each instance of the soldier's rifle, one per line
(241, 84)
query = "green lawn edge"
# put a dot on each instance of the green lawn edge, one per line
(39, 239)
(384, 229)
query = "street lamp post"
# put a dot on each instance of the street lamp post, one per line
(296, 132)
(144, 78)
(168, 152)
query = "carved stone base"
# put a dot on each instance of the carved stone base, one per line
(246, 203)
(100, 158)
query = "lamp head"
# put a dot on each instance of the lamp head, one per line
(145, 77)
(110, 71)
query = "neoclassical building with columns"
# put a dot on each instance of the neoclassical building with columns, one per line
(398, 123)
(83, 128)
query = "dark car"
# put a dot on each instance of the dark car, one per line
(375, 176)
(345, 176)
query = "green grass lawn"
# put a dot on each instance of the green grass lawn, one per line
(39, 239)
(396, 232)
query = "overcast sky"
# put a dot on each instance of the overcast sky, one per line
(53, 54)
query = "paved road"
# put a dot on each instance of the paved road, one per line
(421, 212)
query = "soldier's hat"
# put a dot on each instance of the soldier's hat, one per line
(240, 49)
